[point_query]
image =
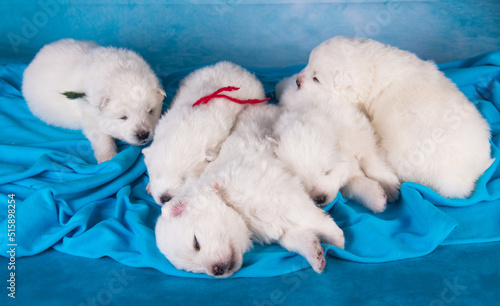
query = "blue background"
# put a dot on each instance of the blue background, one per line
(173, 34)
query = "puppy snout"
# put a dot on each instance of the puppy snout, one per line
(218, 270)
(320, 199)
(166, 197)
(298, 81)
(142, 135)
(221, 268)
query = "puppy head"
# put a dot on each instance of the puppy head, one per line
(338, 66)
(168, 175)
(199, 233)
(312, 155)
(130, 106)
(176, 156)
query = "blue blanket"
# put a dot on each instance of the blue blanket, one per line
(67, 202)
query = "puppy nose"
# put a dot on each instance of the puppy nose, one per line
(143, 135)
(218, 270)
(319, 199)
(298, 81)
(166, 197)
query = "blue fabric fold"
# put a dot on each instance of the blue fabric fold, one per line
(65, 201)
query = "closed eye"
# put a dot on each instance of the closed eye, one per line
(315, 79)
(151, 111)
(123, 117)
(196, 244)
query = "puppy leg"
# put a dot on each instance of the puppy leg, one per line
(306, 244)
(453, 185)
(104, 145)
(328, 231)
(367, 192)
(376, 168)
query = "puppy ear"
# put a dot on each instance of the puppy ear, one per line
(341, 80)
(273, 140)
(104, 103)
(211, 155)
(161, 92)
(221, 192)
(173, 208)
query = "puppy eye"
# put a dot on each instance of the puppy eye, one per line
(315, 79)
(151, 111)
(123, 117)
(196, 244)
(328, 172)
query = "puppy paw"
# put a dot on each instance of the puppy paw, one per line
(104, 145)
(377, 201)
(380, 204)
(340, 240)
(334, 236)
(392, 190)
(317, 259)
(368, 192)
(104, 156)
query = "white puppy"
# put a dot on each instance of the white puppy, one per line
(205, 228)
(189, 137)
(432, 134)
(107, 92)
(330, 145)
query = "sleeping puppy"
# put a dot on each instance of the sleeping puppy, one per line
(244, 193)
(331, 146)
(189, 137)
(432, 134)
(107, 92)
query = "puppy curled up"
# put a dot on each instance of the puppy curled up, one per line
(431, 133)
(331, 146)
(245, 193)
(188, 137)
(108, 93)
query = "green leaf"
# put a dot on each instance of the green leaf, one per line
(73, 95)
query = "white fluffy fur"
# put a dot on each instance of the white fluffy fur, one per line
(331, 145)
(245, 188)
(432, 134)
(188, 138)
(116, 83)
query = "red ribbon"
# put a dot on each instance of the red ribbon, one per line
(216, 94)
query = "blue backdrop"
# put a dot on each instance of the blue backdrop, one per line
(68, 205)
(173, 34)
